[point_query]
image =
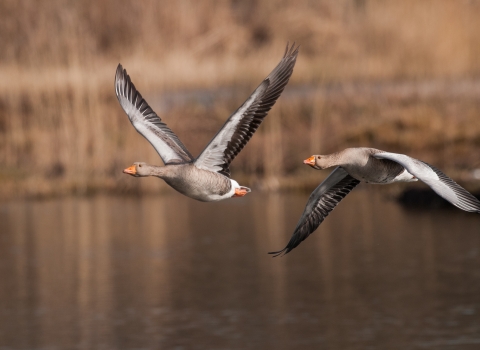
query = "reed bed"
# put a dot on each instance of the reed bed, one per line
(403, 76)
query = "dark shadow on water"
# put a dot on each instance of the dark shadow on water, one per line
(171, 273)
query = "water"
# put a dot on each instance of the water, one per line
(167, 272)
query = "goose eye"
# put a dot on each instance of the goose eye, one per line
(318, 157)
(140, 165)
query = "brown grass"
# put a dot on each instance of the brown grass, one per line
(400, 75)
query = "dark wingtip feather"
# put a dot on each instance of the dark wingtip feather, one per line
(286, 50)
(280, 252)
(318, 207)
(125, 89)
(291, 51)
(120, 74)
(466, 200)
(122, 82)
(253, 116)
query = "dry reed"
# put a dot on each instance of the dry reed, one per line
(387, 74)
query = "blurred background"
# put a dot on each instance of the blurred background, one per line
(398, 75)
(85, 265)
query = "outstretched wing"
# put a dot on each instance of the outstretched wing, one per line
(438, 181)
(240, 126)
(321, 202)
(147, 122)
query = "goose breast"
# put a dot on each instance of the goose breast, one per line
(203, 185)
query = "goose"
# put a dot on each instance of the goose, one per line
(207, 177)
(374, 166)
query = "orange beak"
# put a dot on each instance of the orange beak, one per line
(130, 170)
(310, 161)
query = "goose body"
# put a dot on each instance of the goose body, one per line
(199, 184)
(370, 165)
(207, 177)
(361, 164)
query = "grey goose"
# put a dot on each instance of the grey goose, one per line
(369, 165)
(207, 177)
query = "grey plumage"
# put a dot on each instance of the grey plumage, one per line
(372, 166)
(320, 203)
(242, 124)
(147, 122)
(437, 180)
(212, 165)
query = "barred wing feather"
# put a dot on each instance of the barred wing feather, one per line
(241, 125)
(437, 180)
(320, 203)
(147, 122)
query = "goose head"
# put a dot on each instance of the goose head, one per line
(139, 169)
(317, 162)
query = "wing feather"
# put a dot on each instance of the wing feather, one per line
(320, 203)
(241, 125)
(437, 180)
(147, 122)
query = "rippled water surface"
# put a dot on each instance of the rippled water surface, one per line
(168, 272)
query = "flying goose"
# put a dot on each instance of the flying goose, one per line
(371, 166)
(207, 177)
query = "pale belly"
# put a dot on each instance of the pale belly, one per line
(202, 188)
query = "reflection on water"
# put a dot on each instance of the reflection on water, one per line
(172, 273)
